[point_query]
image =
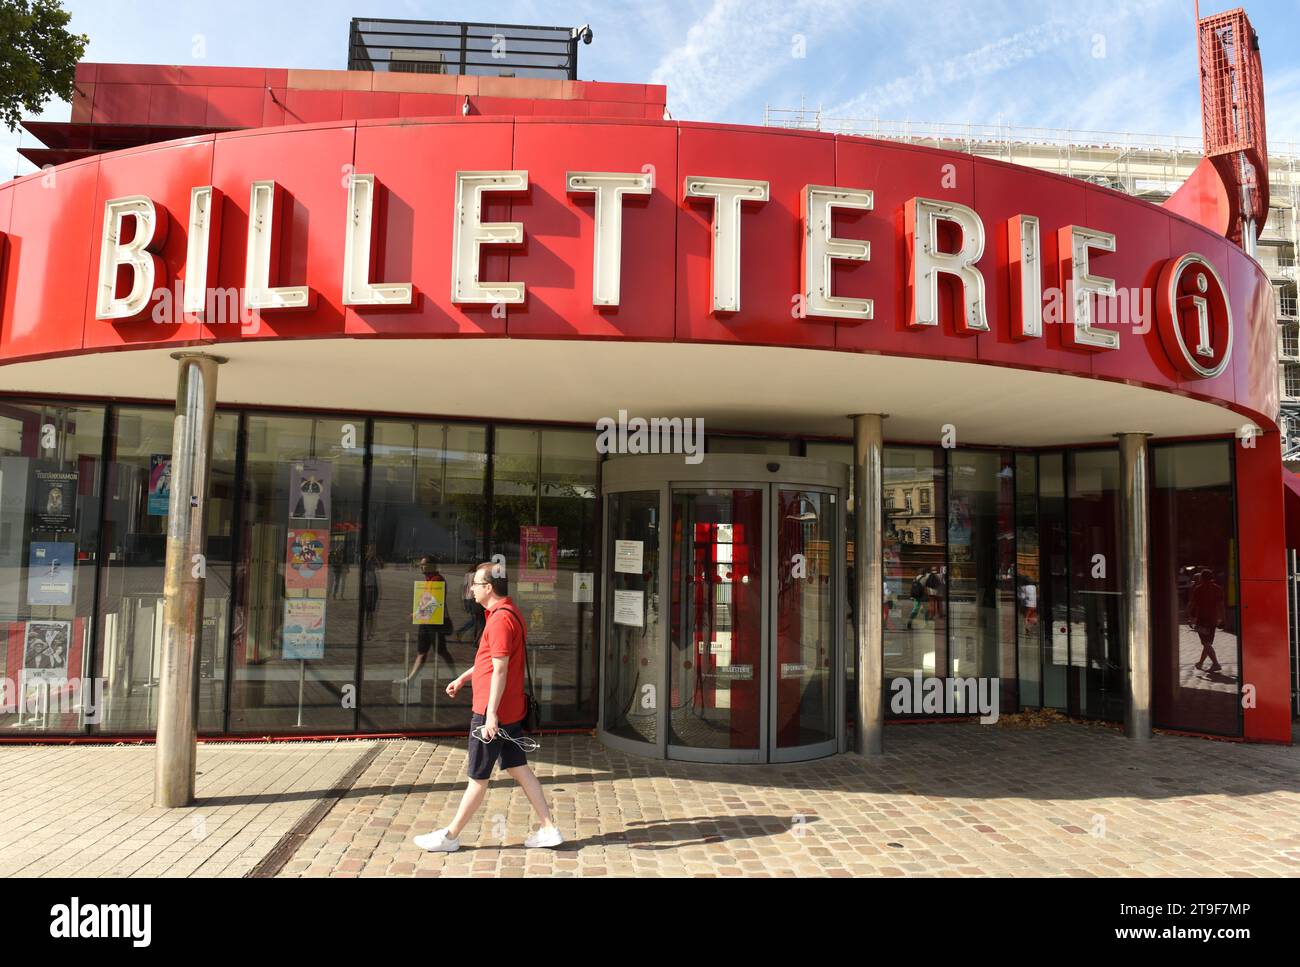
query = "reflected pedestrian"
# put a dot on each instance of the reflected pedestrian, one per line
(1205, 614)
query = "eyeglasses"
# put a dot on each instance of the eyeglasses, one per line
(480, 584)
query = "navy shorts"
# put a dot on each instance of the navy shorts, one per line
(483, 755)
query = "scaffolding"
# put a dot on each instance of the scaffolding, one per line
(1148, 166)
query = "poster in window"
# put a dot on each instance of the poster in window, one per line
(430, 604)
(56, 499)
(50, 572)
(309, 490)
(537, 550)
(160, 484)
(305, 559)
(304, 629)
(45, 651)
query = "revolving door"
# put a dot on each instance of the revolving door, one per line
(723, 627)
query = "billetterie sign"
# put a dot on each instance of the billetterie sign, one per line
(1192, 308)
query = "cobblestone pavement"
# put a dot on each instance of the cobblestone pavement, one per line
(88, 810)
(946, 800)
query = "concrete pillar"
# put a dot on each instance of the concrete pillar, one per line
(184, 576)
(1135, 604)
(869, 575)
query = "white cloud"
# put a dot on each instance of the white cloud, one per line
(737, 46)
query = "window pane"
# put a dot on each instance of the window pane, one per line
(1028, 583)
(49, 539)
(916, 574)
(427, 512)
(1097, 682)
(135, 545)
(295, 632)
(1194, 589)
(544, 522)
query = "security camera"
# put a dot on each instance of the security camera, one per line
(773, 467)
(582, 33)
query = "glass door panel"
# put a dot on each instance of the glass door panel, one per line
(717, 634)
(807, 523)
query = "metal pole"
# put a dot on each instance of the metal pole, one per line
(868, 567)
(1135, 603)
(184, 577)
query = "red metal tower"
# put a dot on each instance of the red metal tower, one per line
(1232, 116)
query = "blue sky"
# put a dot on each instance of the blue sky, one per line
(1094, 65)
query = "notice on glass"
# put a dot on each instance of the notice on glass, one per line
(160, 484)
(629, 557)
(584, 585)
(45, 651)
(629, 608)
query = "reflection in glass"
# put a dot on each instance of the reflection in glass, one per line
(131, 588)
(981, 556)
(544, 522)
(1054, 592)
(716, 636)
(807, 527)
(634, 654)
(426, 520)
(1028, 583)
(915, 563)
(49, 535)
(294, 643)
(1097, 680)
(1194, 589)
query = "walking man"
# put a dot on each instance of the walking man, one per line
(497, 681)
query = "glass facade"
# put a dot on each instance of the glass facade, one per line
(338, 547)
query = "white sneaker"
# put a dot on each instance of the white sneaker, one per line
(439, 841)
(548, 837)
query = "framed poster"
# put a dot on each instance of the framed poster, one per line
(45, 651)
(537, 552)
(305, 559)
(430, 604)
(56, 500)
(160, 483)
(304, 629)
(50, 572)
(309, 490)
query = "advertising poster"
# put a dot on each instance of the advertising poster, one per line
(628, 557)
(56, 499)
(45, 651)
(50, 572)
(538, 550)
(160, 484)
(305, 561)
(430, 604)
(309, 490)
(304, 629)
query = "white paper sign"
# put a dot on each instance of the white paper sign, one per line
(629, 557)
(629, 608)
(584, 584)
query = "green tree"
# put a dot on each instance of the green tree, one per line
(38, 56)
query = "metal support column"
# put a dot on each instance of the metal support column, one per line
(184, 577)
(868, 569)
(1135, 605)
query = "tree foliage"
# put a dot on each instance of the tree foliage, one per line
(38, 57)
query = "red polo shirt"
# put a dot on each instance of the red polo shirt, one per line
(503, 637)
